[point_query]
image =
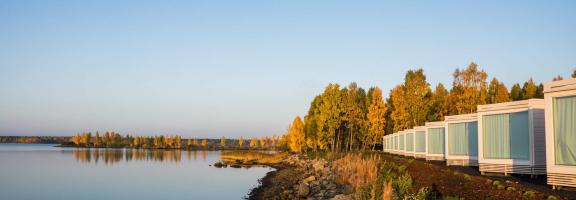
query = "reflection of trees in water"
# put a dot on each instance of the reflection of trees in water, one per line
(111, 156)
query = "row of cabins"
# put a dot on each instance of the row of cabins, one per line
(534, 137)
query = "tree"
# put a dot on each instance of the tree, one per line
(204, 142)
(196, 142)
(417, 93)
(516, 92)
(574, 73)
(223, 141)
(329, 118)
(540, 92)
(355, 110)
(468, 89)
(97, 140)
(497, 92)
(529, 90)
(241, 141)
(311, 125)
(439, 107)
(136, 142)
(399, 115)
(376, 118)
(559, 78)
(297, 142)
(254, 142)
(189, 143)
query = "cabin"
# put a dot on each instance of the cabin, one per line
(409, 142)
(435, 140)
(560, 115)
(420, 142)
(461, 141)
(511, 137)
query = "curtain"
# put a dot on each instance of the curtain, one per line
(472, 130)
(436, 140)
(565, 130)
(409, 141)
(401, 140)
(420, 141)
(457, 139)
(496, 132)
(519, 136)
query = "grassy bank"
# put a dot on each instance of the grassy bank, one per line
(253, 157)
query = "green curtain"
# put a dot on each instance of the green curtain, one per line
(401, 141)
(565, 130)
(436, 140)
(519, 136)
(409, 141)
(472, 130)
(457, 139)
(420, 141)
(507, 136)
(496, 136)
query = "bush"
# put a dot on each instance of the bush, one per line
(488, 181)
(467, 177)
(500, 187)
(495, 183)
(528, 194)
(511, 189)
(551, 197)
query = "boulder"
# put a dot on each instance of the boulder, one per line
(303, 190)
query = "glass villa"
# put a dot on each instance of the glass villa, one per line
(420, 142)
(560, 100)
(409, 142)
(511, 137)
(462, 140)
(435, 140)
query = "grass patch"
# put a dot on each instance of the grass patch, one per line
(256, 157)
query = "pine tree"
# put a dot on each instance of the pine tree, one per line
(516, 92)
(529, 90)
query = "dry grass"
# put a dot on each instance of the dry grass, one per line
(354, 170)
(256, 157)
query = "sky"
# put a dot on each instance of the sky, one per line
(213, 68)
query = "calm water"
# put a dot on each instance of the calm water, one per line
(32, 171)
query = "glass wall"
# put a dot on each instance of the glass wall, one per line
(436, 140)
(463, 139)
(420, 141)
(565, 130)
(409, 141)
(506, 136)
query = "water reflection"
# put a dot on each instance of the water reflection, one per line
(111, 156)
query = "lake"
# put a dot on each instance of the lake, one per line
(41, 171)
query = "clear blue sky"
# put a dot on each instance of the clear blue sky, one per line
(212, 68)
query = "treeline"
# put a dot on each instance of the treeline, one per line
(351, 118)
(34, 139)
(116, 140)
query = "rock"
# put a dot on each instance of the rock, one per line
(303, 190)
(342, 197)
(309, 179)
(235, 166)
(218, 165)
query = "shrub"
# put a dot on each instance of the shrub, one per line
(551, 197)
(488, 181)
(500, 187)
(495, 183)
(467, 177)
(528, 194)
(511, 189)
(403, 185)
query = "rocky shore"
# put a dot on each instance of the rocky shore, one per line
(298, 177)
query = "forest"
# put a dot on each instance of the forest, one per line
(352, 118)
